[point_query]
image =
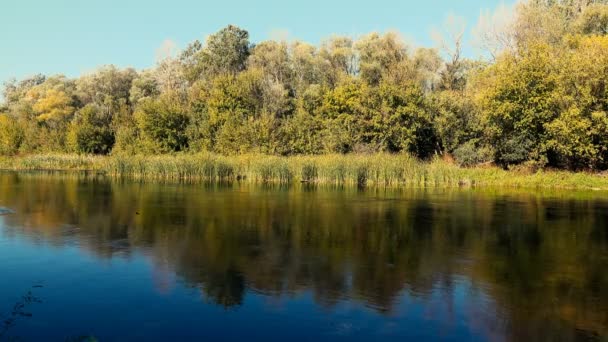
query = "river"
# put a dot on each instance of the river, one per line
(111, 260)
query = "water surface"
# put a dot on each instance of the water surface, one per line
(145, 262)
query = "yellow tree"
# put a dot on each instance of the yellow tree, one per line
(50, 101)
(11, 135)
(594, 20)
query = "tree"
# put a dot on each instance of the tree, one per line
(170, 77)
(450, 42)
(549, 21)
(306, 65)
(11, 135)
(52, 102)
(273, 59)
(144, 86)
(422, 69)
(15, 91)
(593, 20)
(341, 111)
(578, 137)
(270, 62)
(162, 124)
(517, 99)
(541, 100)
(228, 50)
(211, 106)
(540, 22)
(401, 121)
(191, 61)
(248, 99)
(90, 131)
(301, 134)
(225, 52)
(494, 31)
(379, 56)
(277, 100)
(455, 119)
(106, 87)
(337, 60)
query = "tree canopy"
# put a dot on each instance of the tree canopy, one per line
(541, 101)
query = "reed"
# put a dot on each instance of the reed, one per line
(377, 170)
(53, 162)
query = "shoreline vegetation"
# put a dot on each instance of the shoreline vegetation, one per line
(368, 110)
(373, 170)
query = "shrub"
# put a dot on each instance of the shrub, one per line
(468, 154)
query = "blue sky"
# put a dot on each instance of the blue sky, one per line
(75, 36)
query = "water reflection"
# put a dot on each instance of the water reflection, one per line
(533, 265)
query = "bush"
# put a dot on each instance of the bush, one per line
(516, 150)
(468, 154)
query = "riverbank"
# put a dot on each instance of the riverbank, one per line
(376, 170)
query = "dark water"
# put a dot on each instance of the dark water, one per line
(130, 261)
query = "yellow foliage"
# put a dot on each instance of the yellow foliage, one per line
(51, 104)
(11, 135)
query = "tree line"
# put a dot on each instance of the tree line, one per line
(540, 101)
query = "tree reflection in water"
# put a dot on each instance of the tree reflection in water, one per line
(535, 263)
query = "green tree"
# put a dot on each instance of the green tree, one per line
(144, 86)
(379, 56)
(517, 99)
(455, 119)
(542, 101)
(306, 65)
(225, 52)
(342, 110)
(273, 59)
(337, 60)
(106, 86)
(162, 124)
(90, 131)
(301, 134)
(578, 137)
(400, 121)
(228, 50)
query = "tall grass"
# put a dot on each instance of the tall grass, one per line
(53, 162)
(378, 170)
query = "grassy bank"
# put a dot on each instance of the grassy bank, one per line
(356, 170)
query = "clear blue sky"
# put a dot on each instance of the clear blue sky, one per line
(75, 36)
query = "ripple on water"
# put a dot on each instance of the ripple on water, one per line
(6, 211)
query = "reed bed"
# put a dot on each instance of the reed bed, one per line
(53, 162)
(377, 170)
